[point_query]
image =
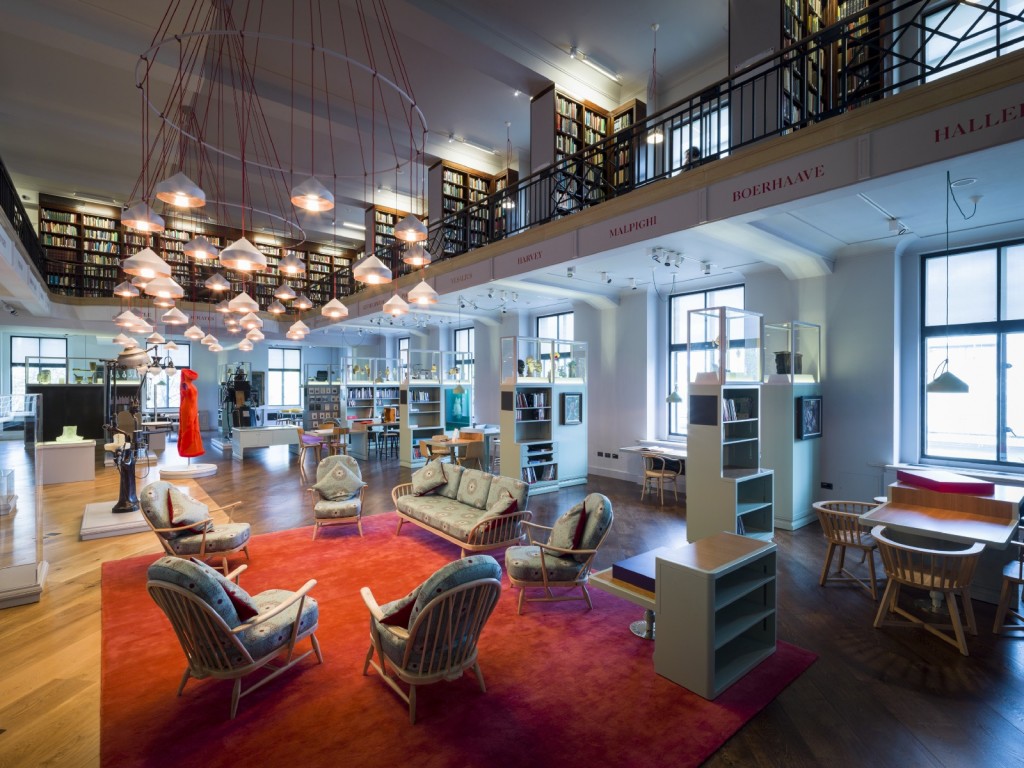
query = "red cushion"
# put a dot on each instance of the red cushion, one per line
(577, 537)
(244, 605)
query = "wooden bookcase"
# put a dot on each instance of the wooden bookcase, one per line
(860, 67)
(380, 228)
(620, 156)
(803, 84)
(504, 213)
(460, 190)
(421, 416)
(716, 605)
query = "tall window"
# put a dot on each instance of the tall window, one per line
(678, 308)
(558, 326)
(973, 326)
(963, 35)
(163, 391)
(284, 369)
(403, 358)
(704, 128)
(32, 356)
(464, 340)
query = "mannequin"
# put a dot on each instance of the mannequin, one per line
(190, 440)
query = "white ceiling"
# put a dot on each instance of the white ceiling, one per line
(70, 123)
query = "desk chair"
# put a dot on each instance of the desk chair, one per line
(472, 454)
(307, 443)
(1013, 578)
(948, 572)
(840, 523)
(659, 470)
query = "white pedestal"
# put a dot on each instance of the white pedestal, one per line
(260, 437)
(99, 522)
(65, 462)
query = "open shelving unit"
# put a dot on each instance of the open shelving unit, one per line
(421, 406)
(716, 605)
(459, 189)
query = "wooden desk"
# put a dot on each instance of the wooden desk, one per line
(449, 443)
(670, 453)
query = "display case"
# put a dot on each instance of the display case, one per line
(63, 370)
(359, 370)
(724, 345)
(526, 360)
(22, 567)
(457, 374)
(569, 362)
(325, 373)
(424, 366)
(792, 353)
(386, 370)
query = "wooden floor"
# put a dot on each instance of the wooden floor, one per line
(891, 697)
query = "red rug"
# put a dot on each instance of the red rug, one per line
(561, 682)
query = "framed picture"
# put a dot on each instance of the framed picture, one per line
(572, 407)
(808, 417)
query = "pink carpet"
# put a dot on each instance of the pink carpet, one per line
(562, 683)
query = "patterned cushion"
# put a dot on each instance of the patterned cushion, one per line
(244, 605)
(453, 477)
(325, 510)
(273, 634)
(599, 519)
(517, 489)
(568, 529)
(221, 538)
(523, 563)
(200, 580)
(183, 512)
(473, 488)
(339, 483)
(505, 505)
(451, 517)
(153, 498)
(428, 477)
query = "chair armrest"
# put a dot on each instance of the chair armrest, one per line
(531, 527)
(279, 608)
(564, 550)
(371, 603)
(204, 521)
(226, 509)
(496, 528)
(405, 489)
(233, 576)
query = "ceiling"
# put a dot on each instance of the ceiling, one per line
(70, 124)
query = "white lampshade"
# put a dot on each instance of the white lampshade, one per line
(655, 135)
(174, 317)
(334, 309)
(417, 256)
(371, 271)
(163, 303)
(143, 327)
(411, 230)
(195, 333)
(396, 306)
(126, 319)
(201, 249)
(179, 190)
(423, 294)
(126, 290)
(234, 328)
(142, 218)
(217, 282)
(155, 338)
(251, 320)
(299, 327)
(223, 307)
(245, 345)
(243, 303)
(170, 345)
(123, 340)
(311, 195)
(243, 256)
(255, 334)
(284, 292)
(140, 282)
(146, 264)
(291, 264)
(208, 339)
(164, 288)
(295, 335)
(276, 308)
(302, 302)
(215, 348)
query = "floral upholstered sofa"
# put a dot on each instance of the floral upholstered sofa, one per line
(475, 510)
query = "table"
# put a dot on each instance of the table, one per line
(604, 581)
(452, 443)
(328, 433)
(260, 437)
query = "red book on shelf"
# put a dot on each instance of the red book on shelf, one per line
(945, 482)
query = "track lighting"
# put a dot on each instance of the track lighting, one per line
(606, 278)
(570, 271)
(705, 268)
(632, 283)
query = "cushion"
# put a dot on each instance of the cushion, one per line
(598, 508)
(453, 475)
(428, 477)
(329, 510)
(519, 490)
(220, 538)
(338, 484)
(445, 515)
(523, 563)
(568, 529)
(473, 488)
(184, 511)
(311, 440)
(398, 612)
(453, 575)
(273, 634)
(204, 582)
(244, 605)
(153, 498)
(505, 505)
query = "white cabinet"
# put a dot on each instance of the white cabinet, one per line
(716, 605)
(421, 417)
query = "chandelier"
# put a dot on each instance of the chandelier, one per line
(249, 134)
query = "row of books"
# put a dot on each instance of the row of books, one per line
(537, 474)
(737, 408)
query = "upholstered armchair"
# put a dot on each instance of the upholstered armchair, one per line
(431, 634)
(185, 527)
(338, 493)
(565, 557)
(226, 633)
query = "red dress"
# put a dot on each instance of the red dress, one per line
(190, 441)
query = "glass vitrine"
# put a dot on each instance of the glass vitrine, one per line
(724, 345)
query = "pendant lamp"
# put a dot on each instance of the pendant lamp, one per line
(411, 230)
(146, 264)
(215, 348)
(142, 218)
(303, 303)
(396, 306)
(371, 271)
(243, 303)
(155, 338)
(217, 282)
(291, 264)
(170, 345)
(179, 190)
(195, 333)
(276, 308)
(255, 334)
(334, 309)
(243, 256)
(126, 290)
(208, 339)
(174, 317)
(200, 249)
(164, 288)
(284, 292)
(423, 294)
(163, 303)
(245, 345)
(250, 320)
(417, 256)
(313, 196)
(656, 135)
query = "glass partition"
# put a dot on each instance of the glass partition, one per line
(386, 370)
(792, 352)
(724, 345)
(526, 360)
(424, 366)
(570, 362)
(325, 373)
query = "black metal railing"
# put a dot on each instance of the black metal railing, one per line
(878, 49)
(11, 205)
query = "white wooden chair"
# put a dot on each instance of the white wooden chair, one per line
(840, 523)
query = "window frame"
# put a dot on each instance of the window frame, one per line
(12, 365)
(557, 317)
(282, 372)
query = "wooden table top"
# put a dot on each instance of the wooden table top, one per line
(947, 524)
(604, 581)
(671, 453)
(434, 442)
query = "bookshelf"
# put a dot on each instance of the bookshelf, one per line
(716, 604)
(859, 66)
(461, 191)
(620, 156)
(804, 79)
(505, 205)
(529, 453)
(421, 416)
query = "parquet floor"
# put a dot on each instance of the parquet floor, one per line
(890, 697)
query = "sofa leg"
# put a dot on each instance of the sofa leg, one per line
(399, 529)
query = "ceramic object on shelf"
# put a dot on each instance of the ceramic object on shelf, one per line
(70, 435)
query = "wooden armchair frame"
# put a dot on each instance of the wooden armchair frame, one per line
(319, 523)
(1013, 578)
(656, 472)
(460, 612)
(934, 570)
(491, 532)
(209, 643)
(165, 540)
(841, 526)
(581, 578)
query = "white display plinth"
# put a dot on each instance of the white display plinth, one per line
(197, 469)
(99, 522)
(65, 462)
(260, 437)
